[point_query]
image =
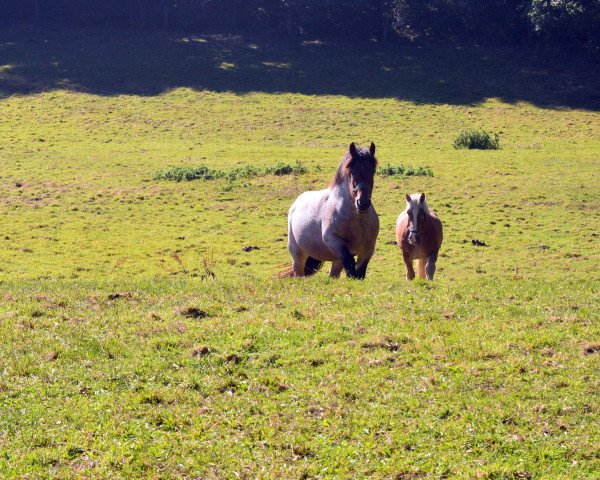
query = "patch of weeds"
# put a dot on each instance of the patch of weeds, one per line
(404, 171)
(247, 171)
(286, 169)
(477, 139)
(202, 172)
(179, 174)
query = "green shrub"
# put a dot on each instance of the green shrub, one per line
(202, 172)
(286, 169)
(475, 139)
(178, 174)
(247, 171)
(404, 171)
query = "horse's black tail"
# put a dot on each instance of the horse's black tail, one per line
(312, 266)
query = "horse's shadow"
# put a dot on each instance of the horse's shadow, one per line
(111, 62)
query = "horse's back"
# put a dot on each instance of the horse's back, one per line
(306, 208)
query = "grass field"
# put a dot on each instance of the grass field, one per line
(142, 338)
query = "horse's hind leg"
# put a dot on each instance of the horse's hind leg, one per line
(430, 268)
(298, 256)
(336, 269)
(298, 263)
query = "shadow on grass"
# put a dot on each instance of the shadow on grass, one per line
(107, 62)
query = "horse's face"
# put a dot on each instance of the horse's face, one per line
(361, 169)
(416, 218)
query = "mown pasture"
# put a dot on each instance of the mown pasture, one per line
(143, 336)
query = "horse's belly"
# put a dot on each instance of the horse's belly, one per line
(306, 226)
(309, 237)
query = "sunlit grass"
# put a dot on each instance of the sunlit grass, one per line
(144, 334)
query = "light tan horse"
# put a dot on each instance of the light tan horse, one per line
(338, 223)
(419, 236)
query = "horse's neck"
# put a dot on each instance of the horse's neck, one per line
(341, 191)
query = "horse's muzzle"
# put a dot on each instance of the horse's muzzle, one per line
(362, 205)
(414, 238)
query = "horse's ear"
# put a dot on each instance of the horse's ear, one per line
(422, 198)
(352, 149)
(408, 199)
(372, 149)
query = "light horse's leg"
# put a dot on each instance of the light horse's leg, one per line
(410, 271)
(336, 269)
(430, 268)
(421, 267)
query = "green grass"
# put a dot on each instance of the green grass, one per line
(141, 339)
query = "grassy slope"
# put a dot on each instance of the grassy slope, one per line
(482, 373)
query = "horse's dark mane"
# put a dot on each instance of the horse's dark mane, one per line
(343, 170)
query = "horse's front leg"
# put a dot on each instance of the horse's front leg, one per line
(338, 247)
(410, 271)
(361, 268)
(363, 261)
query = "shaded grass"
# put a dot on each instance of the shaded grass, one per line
(152, 63)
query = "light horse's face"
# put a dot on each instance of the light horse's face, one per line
(416, 211)
(361, 170)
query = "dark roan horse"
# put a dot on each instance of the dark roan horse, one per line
(338, 223)
(419, 236)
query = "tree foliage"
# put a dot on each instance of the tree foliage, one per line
(575, 22)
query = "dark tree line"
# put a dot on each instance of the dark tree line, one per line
(572, 22)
